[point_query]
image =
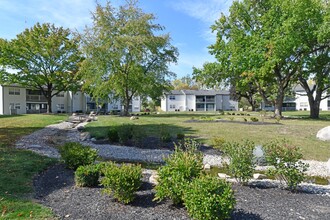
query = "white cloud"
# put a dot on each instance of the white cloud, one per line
(205, 11)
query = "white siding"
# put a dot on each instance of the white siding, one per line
(163, 103)
(1, 100)
(79, 102)
(191, 102)
(136, 104)
(15, 99)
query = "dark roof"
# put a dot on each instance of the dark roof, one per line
(197, 92)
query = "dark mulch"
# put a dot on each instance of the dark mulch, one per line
(55, 188)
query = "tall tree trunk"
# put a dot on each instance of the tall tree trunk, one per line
(315, 110)
(279, 103)
(314, 102)
(49, 103)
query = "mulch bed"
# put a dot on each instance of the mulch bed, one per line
(55, 189)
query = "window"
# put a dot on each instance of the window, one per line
(136, 107)
(328, 103)
(115, 107)
(172, 106)
(61, 94)
(60, 106)
(17, 106)
(303, 104)
(14, 91)
(172, 97)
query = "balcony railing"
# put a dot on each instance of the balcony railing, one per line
(36, 98)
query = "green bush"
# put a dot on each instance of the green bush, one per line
(241, 164)
(138, 136)
(122, 181)
(87, 176)
(125, 133)
(180, 169)
(180, 136)
(75, 155)
(209, 198)
(113, 134)
(286, 160)
(254, 119)
(218, 142)
(165, 135)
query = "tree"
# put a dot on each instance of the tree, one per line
(124, 56)
(263, 43)
(316, 63)
(185, 82)
(44, 58)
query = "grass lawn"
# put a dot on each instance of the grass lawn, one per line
(299, 131)
(17, 167)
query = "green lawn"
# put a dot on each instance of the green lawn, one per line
(17, 167)
(300, 132)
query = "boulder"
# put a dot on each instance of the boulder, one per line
(80, 128)
(153, 178)
(223, 176)
(259, 176)
(84, 136)
(207, 166)
(324, 134)
(134, 118)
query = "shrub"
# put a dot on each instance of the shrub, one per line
(113, 134)
(285, 158)
(231, 118)
(278, 119)
(122, 181)
(241, 164)
(218, 142)
(138, 136)
(125, 133)
(254, 119)
(75, 155)
(165, 135)
(180, 136)
(180, 169)
(87, 176)
(209, 198)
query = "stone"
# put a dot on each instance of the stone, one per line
(259, 176)
(84, 136)
(80, 128)
(134, 118)
(324, 134)
(207, 166)
(93, 139)
(153, 178)
(223, 176)
(259, 157)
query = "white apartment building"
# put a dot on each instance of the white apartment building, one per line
(198, 100)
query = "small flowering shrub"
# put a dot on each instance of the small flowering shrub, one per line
(208, 197)
(75, 155)
(254, 119)
(241, 157)
(87, 176)
(122, 181)
(286, 160)
(180, 169)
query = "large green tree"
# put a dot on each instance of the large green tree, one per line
(263, 43)
(126, 54)
(186, 82)
(44, 58)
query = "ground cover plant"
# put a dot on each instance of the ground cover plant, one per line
(17, 167)
(300, 130)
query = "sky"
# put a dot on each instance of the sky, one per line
(187, 21)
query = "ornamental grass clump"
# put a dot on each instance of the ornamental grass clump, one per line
(180, 169)
(286, 161)
(241, 160)
(122, 181)
(87, 176)
(208, 197)
(75, 154)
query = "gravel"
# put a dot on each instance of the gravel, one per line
(55, 189)
(261, 200)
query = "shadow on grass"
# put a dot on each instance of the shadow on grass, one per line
(10, 116)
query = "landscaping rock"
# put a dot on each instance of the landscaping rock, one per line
(259, 176)
(153, 179)
(134, 118)
(324, 134)
(223, 176)
(80, 128)
(207, 166)
(84, 136)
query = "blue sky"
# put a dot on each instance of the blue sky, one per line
(187, 21)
